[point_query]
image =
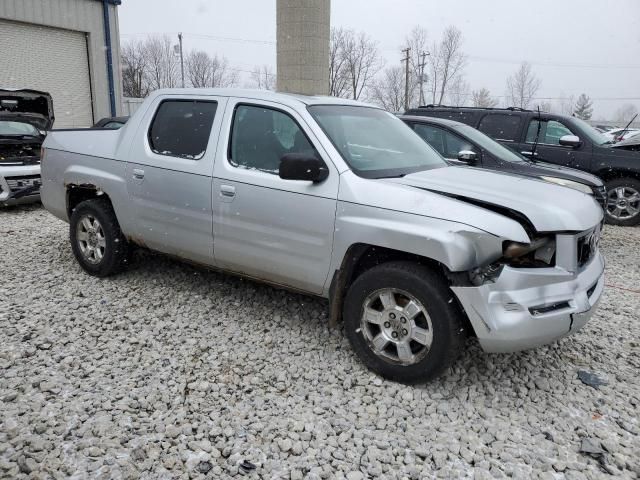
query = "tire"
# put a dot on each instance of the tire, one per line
(438, 315)
(103, 237)
(623, 195)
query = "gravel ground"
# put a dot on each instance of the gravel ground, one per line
(169, 371)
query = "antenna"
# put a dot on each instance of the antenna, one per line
(535, 143)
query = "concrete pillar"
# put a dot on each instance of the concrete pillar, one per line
(303, 46)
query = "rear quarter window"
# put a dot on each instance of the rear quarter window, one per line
(181, 128)
(501, 126)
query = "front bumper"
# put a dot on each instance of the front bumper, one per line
(529, 307)
(19, 184)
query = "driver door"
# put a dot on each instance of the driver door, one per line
(549, 148)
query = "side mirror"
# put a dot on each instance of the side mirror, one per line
(467, 156)
(302, 166)
(570, 141)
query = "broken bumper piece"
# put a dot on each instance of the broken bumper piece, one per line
(529, 307)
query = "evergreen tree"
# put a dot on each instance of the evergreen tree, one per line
(584, 107)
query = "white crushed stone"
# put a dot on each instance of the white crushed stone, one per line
(169, 371)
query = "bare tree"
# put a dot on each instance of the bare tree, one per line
(482, 98)
(544, 106)
(388, 89)
(162, 63)
(198, 67)
(222, 75)
(417, 43)
(458, 94)
(134, 66)
(522, 86)
(338, 72)
(206, 71)
(625, 113)
(362, 60)
(451, 61)
(263, 78)
(566, 104)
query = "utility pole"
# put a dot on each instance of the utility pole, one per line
(423, 63)
(181, 59)
(406, 77)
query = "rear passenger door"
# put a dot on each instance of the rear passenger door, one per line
(506, 128)
(266, 227)
(548, 148)
(169, 175)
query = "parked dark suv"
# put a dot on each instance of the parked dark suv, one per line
(561, 140)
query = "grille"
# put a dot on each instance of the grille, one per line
(18, 183)
(588, 246)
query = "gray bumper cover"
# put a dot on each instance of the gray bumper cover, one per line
(510, 314)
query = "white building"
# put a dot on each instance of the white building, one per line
(60, 47)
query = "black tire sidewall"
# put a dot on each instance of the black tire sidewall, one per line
(431, 290)
(623, 182)
(112, 259)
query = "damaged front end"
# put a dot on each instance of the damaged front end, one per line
(536, 292)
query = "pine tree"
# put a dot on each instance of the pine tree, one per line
(584, 107)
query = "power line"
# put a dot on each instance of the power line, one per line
(470, 57)
(204, 37)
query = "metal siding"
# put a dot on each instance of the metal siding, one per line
(82, 16)
(49, 59)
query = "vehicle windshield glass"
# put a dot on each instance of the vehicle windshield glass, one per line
(487, 143)
(594, 135)
(375, 143)
(17, 128)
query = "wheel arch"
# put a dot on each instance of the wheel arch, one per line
(360, 257)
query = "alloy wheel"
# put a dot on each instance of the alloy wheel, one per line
(396, 326)
(91, 239)
(624, 203)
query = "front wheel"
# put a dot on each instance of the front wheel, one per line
(96, 239)
(623, 202)
(401, 322)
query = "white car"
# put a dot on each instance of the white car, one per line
(25, 116)
(618, 134)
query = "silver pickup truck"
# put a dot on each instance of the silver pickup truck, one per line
(341, 200)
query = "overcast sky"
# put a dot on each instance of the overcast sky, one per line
(575, 46)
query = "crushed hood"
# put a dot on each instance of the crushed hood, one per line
(27, 106)
(546, 207)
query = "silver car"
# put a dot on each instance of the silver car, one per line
(341, 200)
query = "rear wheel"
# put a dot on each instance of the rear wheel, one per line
(401, 323)
(96, 239)
(623, 207)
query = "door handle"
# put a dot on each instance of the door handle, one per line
(529, 154)
(228, 191)
(138, 173)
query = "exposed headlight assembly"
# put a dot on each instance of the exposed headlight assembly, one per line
(540, 252)
(581, 187)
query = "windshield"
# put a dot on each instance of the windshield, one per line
(17, 128)
(592, 134)
(487, 143)
(375, 143)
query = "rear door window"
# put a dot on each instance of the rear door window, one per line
(181, 128)
(448, 144)
(501, 126)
